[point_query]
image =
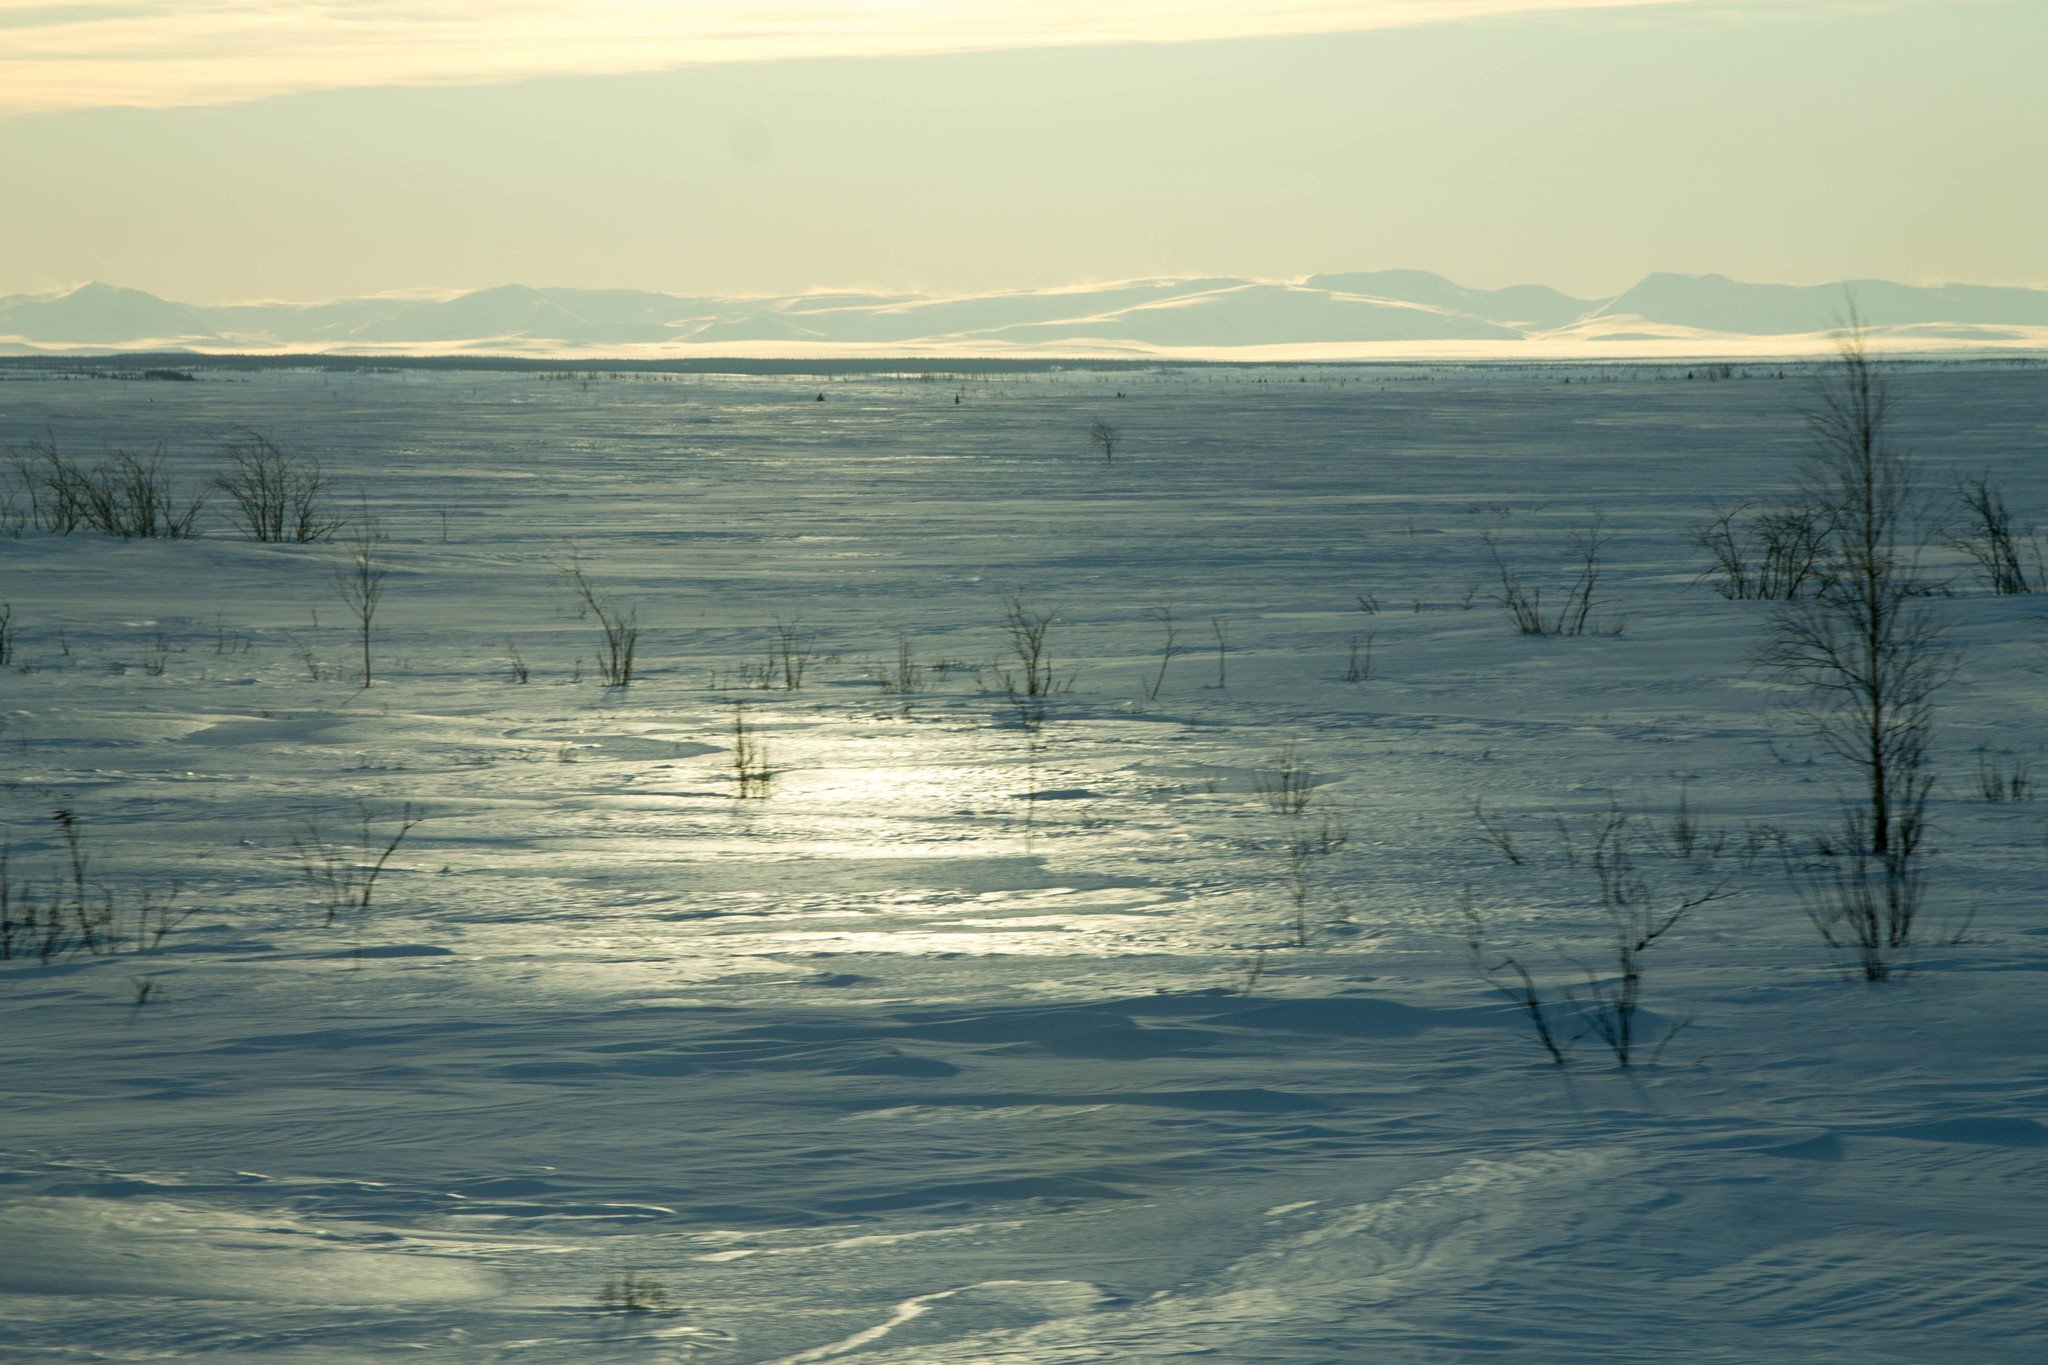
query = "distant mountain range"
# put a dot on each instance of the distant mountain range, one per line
(1365, 314)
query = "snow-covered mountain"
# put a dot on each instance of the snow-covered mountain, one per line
(1363, 313)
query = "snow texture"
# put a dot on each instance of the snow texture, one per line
(969, 1040)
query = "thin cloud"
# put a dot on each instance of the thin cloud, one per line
(77, 54)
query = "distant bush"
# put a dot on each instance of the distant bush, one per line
(123, 495)
(274, 496)
(1106, 439)
(632, 1293)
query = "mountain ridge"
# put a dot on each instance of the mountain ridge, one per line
(1328, 314)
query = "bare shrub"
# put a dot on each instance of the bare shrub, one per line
(620, 625)
(124, 495)
(1358, 667)
(632, 1293)
(1300, 851)
(360, 580)
(346, 878)
(907, 677)
(1105, 438)
(1865, 904)
(1508, 977)
(1990, 542)
(789, 654)
(2001, 781)
(1032, 680)
(273, 496)
(1607, 1005)
(76, 914)
(1765, 554)
(1289, 785)
(1168, 651)
(1610, 1004)
(1524, 604)
(750, 770)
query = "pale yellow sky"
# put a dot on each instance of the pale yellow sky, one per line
(85, 53)
(215, 150)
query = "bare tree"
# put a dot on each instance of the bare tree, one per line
(1106, 438)
(1865, 655)
(360, 579)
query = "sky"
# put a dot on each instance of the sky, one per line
(218, 150)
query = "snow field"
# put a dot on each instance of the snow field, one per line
(942, 1050)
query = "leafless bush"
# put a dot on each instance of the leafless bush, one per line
(1168, 651)
(1106, 438)
(1289, 785)
(159, 657)
(632, 1293)
(1032, 681)
(2001, 781)
(907, 677)
(1027, 630)
(1358, 667)
(1637, 919)
(76, 915)
(789, 654)
(124, 495)
(1766, 554)
(345, 878)
(750, 770)
(1867, 904)
(619, 625)
(1990, 542)
(1498, 834)
(360, 580)
(1606, 1004)
(1508, 977)
(1524, 604)
(6, 633)
(1301, 850)
(273, 496)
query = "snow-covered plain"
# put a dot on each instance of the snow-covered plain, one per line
(969, 1041)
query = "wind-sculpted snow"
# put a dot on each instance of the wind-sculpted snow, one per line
(964, 1038)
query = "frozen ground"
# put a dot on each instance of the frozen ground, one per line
(943, 1049)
